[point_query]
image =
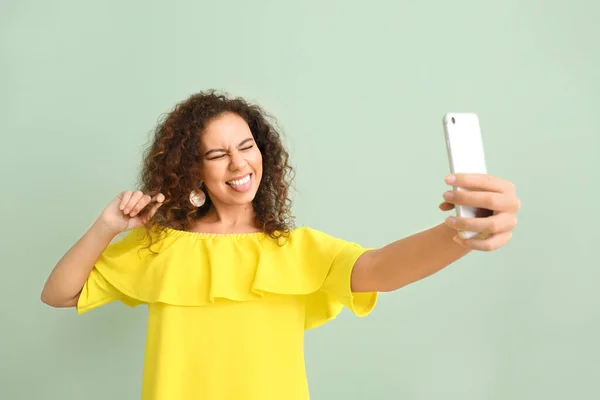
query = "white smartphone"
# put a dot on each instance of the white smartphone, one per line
(465, 155)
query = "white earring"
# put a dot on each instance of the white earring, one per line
(198, 198)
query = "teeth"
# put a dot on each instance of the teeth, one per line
(240, 181)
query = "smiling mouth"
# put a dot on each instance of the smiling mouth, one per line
(242, 184)
(238, 182)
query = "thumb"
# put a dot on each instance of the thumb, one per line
(445, 206)
(158, 201)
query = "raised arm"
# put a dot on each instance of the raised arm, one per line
(125, 212)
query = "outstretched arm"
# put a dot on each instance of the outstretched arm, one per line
(418, 256)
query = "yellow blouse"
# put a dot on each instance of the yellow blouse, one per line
(227, 312)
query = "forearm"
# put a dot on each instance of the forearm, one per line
(408, 260)
(66, 280)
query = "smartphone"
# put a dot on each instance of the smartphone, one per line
(465, 155)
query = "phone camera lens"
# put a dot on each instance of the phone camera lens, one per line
(453, 120)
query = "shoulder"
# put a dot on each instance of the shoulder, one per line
(308, 238)
(308, 234)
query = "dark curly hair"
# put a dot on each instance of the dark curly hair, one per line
(171, 163)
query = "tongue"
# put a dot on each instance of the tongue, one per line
(243, 187)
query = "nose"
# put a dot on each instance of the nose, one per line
(237, 162)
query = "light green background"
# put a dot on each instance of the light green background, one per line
(359, 89)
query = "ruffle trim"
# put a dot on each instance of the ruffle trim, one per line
(195, 269)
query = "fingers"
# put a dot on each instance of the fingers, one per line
(488, 244)
(498, 223)
(133, 203)
(484, 192)
(483, 182)
(488, 200)
(126, 195)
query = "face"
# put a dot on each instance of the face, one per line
(231, 161)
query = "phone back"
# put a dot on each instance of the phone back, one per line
(465, 155)
(464, 143)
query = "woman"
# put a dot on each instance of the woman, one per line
(229, 283)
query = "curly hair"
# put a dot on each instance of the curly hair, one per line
(172, 164)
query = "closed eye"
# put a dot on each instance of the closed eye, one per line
(223, 155)
(217, 157)
(224, 152)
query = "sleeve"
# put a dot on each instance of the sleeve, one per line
(337, 259)
(97, 290)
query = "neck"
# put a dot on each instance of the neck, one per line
(231, 218)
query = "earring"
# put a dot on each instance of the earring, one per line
(198, 198)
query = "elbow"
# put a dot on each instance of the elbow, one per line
(44, 297)
(57, 301)
(49, 300)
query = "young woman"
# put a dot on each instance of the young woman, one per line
(230, 284)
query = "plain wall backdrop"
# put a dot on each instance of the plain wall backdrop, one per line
(359, 90)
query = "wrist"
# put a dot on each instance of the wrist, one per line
(102, 232)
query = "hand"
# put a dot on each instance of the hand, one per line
(487, 192)
(129, 210)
